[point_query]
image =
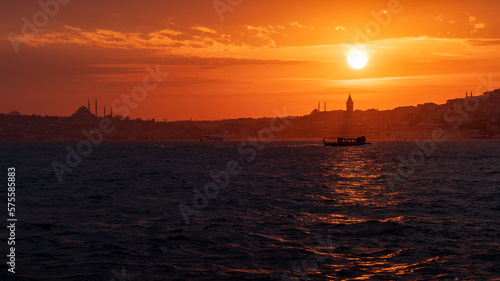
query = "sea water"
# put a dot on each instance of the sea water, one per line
(276, 211)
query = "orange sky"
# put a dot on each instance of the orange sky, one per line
(247, 60)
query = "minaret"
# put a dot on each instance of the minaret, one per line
(466, 94)
(350, 105)
(96, 107)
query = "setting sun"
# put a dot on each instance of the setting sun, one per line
(357, 60)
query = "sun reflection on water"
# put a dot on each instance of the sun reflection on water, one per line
(355, 194)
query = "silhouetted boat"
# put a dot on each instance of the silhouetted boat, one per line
(346, 141)
(212, 139)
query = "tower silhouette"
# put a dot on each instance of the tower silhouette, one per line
(349, 105)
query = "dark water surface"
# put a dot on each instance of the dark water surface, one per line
(295, 211)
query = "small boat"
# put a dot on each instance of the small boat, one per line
(212, 139)
(346, 141)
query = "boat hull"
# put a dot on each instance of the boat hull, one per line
(211, 139)
(359, 141)
(348, 144)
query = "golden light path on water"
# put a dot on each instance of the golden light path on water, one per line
(357, 192)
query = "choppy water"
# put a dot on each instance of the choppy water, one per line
(296, 211)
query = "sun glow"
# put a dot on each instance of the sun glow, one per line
(357, 60)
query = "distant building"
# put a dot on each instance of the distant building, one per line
(350, 105)
(83, 116)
